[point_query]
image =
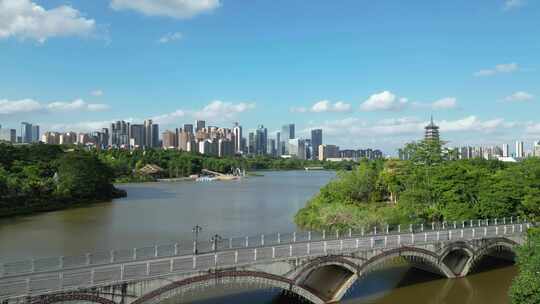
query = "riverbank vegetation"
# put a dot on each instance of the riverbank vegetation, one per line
(526, 286)
(428, 187)
(126, 164)
(37, 178)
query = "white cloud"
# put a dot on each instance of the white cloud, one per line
(498, 69)
(324, 106)
(444, 103)
(512, 4)
(27, 20)
(519, 96)
(218, 110)
(84, 126)
(76, 105)
(170, 37)
(19, 106)
(533, 128)
(30, 106)
(353, 127)
(384, 101)
(169, 118)
(327, 106)
(180, 9)
(97, 93)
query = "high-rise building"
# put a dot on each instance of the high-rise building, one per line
(136, 136)
(237, 132)
(148, 140)
(431, 131)
(169, 140)
(287, 132)
(155, 136)
(279, 146)
(271, 146)
(68, 138)
(35, 133)
(225, 147)
(26, 132)
(519, 149)
(316, 141)
(8, 135)
(201, 124)
(51, 138)
(261, 140)
(297, 148)
(506, 150)
(251, 143)
(188, 128)
(332, 151)
(536, 148)
(119, 136)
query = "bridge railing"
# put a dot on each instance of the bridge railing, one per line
(187, 247)
(66, 279)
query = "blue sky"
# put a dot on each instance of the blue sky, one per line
(370, 73)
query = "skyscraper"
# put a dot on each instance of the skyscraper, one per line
(506, 150)
(316, 141)
(237, 131)
(26, 132)
(147, 134)
(188, 128)
(169, 140)
(136, 135)
(261, 140)
(432, 131)
(287, 132)
(536, 148)
(155, 136)
(251, 143)
(519, 149)
(119, 134)
(9, 135)
(201, 124)
(279, 145)
(35, 133)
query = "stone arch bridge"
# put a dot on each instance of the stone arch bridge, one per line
(320, 270)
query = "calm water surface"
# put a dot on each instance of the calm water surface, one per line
(157, 213)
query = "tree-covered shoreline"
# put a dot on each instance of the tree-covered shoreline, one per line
(40, 177)
(177, 164)
(429, 187)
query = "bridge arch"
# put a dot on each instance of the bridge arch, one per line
(329, 276)
(457, 256)
(421, 258)
(75, 296)
(266, 279)
(502, 248)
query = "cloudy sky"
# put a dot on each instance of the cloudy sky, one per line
(370, 73)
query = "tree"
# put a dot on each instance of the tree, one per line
(526, 286)
(82, 175)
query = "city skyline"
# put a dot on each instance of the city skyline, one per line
(363, 85)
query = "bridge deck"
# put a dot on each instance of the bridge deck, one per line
(72, 273)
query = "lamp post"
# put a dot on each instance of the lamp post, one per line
(196, 231)
(214, 240)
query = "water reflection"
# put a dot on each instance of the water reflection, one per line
(396, 284)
